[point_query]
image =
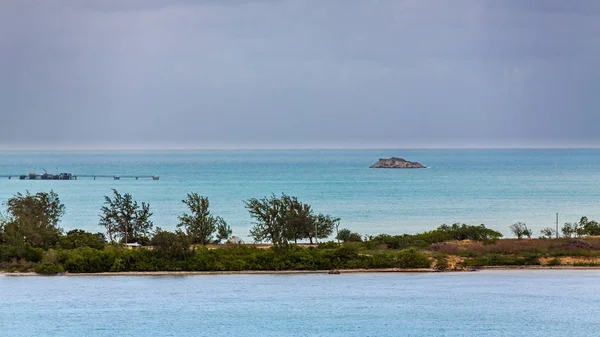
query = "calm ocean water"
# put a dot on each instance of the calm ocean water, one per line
(494, 187)
(485, 303)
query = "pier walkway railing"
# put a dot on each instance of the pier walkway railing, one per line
(116, 177)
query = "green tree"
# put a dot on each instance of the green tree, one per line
(324, 225)
(520, 230)
(548, 232)
(343, 234)
(568, 229)
(284, 219)
(297, 218)
(346, 235)
(270, 215)
(581, 225)
(200, 225)
(33, 219)
(592, 228)
(124, 219)
(223, 231)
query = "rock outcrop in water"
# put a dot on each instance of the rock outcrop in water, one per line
(396, 162)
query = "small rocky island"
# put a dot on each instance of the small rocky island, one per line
(396, 162)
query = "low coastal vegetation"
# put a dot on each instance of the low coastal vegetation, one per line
(287, 235)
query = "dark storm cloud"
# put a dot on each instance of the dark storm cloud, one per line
(298, 73)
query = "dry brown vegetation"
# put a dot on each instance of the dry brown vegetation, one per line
(515, 246)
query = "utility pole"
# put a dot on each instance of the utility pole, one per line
(557, 225)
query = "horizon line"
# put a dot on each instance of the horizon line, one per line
(296, 148)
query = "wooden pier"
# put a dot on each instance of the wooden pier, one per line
(70, 176)
(116, 177)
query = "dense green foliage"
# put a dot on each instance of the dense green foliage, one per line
(441, 234)
(113, 259)
(32, 219)
(25, 252)
(284, 219)
(49, 268)
(171, 245)
(79, 238)
(527, 259)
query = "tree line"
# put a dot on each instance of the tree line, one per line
(584, 227)
(31, 239)
(126, 221)
(34, 219)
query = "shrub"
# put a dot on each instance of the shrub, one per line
(49, 268)
(345, 235)
(441, 263)
(503, 260)
(328, 245)
(586, 264)
(411, 258)
(118, 265)
(79, 238)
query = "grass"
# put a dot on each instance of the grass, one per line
(554, 247)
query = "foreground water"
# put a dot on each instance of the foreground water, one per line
(495, 187)
(486, 303)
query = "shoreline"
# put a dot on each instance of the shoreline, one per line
(236, 272)
(539, 267)
(303, 272)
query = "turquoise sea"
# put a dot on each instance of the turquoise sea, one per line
(494, 187)
(484, 303)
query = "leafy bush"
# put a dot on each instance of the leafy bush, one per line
(586, 264)
(49, 268)
(345, 235)
(79, 238)
(22, 251)
(443, 233)
(503, 260)
(441, 263)
(412, 258)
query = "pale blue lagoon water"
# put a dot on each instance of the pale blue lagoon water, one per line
(485, 303)
(495, 187)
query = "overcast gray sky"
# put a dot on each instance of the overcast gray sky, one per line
(299, 73)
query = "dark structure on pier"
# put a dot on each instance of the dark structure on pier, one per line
(71, 176)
